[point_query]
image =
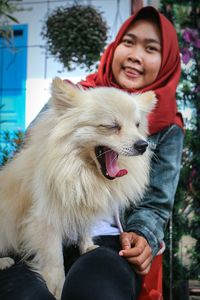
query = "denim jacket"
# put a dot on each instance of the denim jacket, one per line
(151, 216)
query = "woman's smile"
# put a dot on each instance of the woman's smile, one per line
(132, 72)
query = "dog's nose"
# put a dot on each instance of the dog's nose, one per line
(140, 146)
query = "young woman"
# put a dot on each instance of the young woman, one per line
(144, 56)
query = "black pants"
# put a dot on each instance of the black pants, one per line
(100, 274)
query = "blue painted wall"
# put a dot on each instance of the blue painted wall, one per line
(13, 73)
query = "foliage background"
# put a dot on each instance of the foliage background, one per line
(7, 8)
(10, 143)
(184, 261)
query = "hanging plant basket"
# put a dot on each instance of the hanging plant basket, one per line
(75, 35)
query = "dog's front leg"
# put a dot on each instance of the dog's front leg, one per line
(53, 271)
(45, 242)
(86, 243)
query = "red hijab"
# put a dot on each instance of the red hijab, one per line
(167, 80)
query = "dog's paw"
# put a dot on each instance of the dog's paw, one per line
(90, 248)
(6, 262)
(54, 278)
(86, 244)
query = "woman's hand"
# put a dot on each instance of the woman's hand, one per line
(137, 251)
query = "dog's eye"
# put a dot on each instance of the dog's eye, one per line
(114, 126)
(137, 125)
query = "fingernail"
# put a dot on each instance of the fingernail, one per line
(121, 253)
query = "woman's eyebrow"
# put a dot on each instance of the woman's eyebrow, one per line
(148, 40)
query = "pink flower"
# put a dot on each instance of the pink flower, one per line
(187, 36)
(186, 55)
(191, 36)
(197, 43)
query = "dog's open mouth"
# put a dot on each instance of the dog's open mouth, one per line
(107, 159)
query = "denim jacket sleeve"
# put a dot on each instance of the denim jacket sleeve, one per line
(150, 217)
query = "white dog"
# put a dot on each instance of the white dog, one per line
(61, 181)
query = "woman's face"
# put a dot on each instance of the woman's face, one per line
(137, 59)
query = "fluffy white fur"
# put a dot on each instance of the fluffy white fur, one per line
(54, 190)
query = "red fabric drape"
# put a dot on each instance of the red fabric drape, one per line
(164, 86)
(152, 282)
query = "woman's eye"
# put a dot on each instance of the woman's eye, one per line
(127, 42)
(152, 49)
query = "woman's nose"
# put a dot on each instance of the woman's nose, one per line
(135, 55)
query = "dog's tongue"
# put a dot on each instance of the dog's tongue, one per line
(111, 164)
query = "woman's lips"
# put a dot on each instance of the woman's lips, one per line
(131, 72)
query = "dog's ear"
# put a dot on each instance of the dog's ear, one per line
(64, 95)
(147, 101)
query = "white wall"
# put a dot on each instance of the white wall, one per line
(40, 69)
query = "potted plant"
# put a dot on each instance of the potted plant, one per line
(75, 35)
